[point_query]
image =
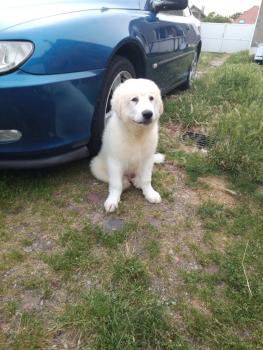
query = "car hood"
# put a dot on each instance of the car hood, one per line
(15, 12)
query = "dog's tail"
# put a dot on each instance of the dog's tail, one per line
(158, 158)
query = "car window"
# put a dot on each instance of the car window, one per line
(174, 13)
(182, 13)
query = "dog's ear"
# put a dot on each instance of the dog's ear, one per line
(160, 104)
(116, 102)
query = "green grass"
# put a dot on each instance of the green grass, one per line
(11, 258)
(30, 335)
(153, 249)
(113, 239)
(206, 58)
(195, 164)
(40, 284)
(128, 316)
(229, 316)
(239, 143)
(76, 252)
(10, 308)
(228, 106)
(77, 247)
(240, 57)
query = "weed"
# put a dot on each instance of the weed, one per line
(152, 247)
(31, 335)
(10, 308)
(239, 145)
(11, 258)
(38, 283)
(213, 215)
(240, 57)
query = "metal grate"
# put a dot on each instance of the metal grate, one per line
(201, 140)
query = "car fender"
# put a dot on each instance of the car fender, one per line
(76, 42)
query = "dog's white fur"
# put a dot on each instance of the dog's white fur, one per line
(129, 145)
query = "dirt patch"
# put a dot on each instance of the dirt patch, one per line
(219, 191)
(211, 65)
(260, 190)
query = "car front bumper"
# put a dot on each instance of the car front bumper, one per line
(52, 113)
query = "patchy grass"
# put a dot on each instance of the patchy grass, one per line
(227, 106)
(230, 315)
(240, 57)
(185, 274)
(30, 334)
(206, 59)
(153, 248)
(11, 258)
(128, 316)
(239, 143)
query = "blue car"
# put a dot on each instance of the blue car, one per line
(60, 61)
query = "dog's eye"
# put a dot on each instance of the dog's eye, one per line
(151, 98)
(135, 100)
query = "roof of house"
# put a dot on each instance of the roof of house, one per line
(249, 16)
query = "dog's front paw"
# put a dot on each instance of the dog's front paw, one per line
(111, 205)
(153, 197)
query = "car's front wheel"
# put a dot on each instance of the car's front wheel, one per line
(119, 70)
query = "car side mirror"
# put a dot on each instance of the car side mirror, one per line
(169, 5)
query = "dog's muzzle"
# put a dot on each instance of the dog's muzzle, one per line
(147, 116)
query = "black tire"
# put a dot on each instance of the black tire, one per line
(191, 74)
(117, 66)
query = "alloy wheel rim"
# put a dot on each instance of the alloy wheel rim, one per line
(193, 71)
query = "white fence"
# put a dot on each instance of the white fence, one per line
(226, 37)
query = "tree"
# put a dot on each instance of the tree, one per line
(216, 18)
(236, 15)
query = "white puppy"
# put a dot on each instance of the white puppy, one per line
(130, 140)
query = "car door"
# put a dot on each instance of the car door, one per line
(175, 48)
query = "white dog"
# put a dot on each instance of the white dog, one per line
(130, 140)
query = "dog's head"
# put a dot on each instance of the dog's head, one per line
(138, 101)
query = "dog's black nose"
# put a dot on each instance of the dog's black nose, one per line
(147, 115)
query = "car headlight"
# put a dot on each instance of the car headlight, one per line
(13, 54)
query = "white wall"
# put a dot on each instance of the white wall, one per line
(226, 37)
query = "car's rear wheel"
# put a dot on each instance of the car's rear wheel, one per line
(119, 70)
(192, 73)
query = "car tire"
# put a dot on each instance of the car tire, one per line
(119, 70)
(191, 73)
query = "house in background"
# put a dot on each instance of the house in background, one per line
(258, 35)
(199, 14)
(248, 17)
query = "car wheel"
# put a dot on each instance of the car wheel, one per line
(192, 73)
(119, 70)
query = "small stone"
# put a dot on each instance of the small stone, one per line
(113, 224)
(28, 249)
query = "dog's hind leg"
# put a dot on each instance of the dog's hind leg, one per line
(99, 169)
